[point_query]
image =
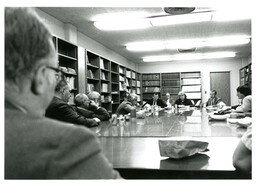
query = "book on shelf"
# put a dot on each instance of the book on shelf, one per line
(128, 73)
(138, 98)
(138, 83)
(127, 82)
(102, 63)
(103, 76)
(133, 91)
(104, 87)
(133, 75)
(194, 95)
(90, 74)
(133, 83)
(90, 88)
(191, 81)
(71, 70)
(121, 69)
(138, 90)
(191, 88)
(71, 81)
(121, 78)
(121, 86)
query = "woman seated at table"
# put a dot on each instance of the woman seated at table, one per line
(244, 94)
(182, 100)
(128, 105)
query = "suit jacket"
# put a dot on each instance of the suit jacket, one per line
(42, 148)
(213, 101)
(185, 102)
(60, 110)
(124, 108)
(93, 112)
(159, 102)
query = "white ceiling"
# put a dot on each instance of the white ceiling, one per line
(116, 40)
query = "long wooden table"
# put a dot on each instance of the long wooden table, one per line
(133, 147)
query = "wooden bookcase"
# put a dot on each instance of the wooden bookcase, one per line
(115, 86)
(68, 63)
(246, 75)
(191, 85)
(171, 84)
(150, 84)
(189, 82)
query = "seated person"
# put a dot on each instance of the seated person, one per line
(244, 94)
(168, 99)
(94, 96)
(182, 100)
(213, 100)
(242, 157)
(89, 108)
(60, 109)
(128, 105)
(155, 101)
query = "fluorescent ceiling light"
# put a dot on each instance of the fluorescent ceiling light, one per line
(181, 19)
(231, 15)
(118, 25)
(145, 46)
(198, 56)
(221, 41)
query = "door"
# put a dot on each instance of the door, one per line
(220, 81)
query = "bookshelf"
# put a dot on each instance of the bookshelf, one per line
(191, 85)
(105, 89)
(171, 84)
(92, 72)
(68, 63)
(115, 86)
(138, 87)
(246, 75)
(150, 85)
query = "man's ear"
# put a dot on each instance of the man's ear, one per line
(39, 81)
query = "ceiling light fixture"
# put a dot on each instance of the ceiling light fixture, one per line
(181, 19)
(198, 56)
(221, 41)
(122, 24)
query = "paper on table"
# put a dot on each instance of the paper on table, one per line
(181, 148)
(244, 122)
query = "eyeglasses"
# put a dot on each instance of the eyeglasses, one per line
(59, 73)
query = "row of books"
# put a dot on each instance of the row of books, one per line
(133, 83)
(151, 89)
(170, 83)
(151, 83)
(190, 75)
(170, 90)
(106, 98)
(151, 77)
(104, 75)
(191, 88)
(104, 87)
(104, 65)
(171, 76)
(190, 81)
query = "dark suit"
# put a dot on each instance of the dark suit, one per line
(185, 102)
(93, 112)
(159, 102)
(42, 148)
(60, 110)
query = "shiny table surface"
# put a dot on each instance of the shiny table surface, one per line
(133, 147)
(193, 123)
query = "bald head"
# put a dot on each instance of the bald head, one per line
(82, 100)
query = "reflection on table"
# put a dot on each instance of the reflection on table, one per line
(188, 122)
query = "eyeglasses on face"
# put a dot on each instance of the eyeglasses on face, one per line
(59, 73)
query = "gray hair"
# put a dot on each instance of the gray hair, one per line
(79, 99)
(26, 42)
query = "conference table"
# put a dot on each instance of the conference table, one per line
(132, 146)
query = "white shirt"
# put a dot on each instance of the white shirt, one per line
(246, 104)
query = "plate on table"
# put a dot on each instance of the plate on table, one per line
(244, 122)
(218, 117)
(211, 108)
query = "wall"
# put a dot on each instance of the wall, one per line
(70, 33)
(231, 65)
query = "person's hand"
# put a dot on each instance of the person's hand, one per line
(93, 104)
(97, 120)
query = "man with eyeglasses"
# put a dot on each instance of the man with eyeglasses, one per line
(60, 109)
(37, 147)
